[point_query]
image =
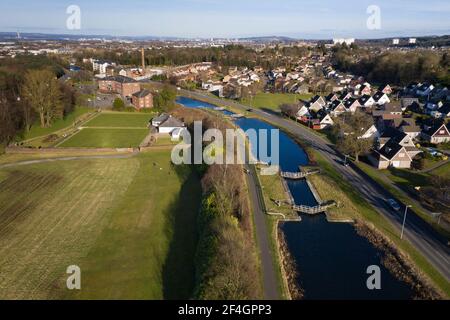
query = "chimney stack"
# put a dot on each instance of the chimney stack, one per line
(143, 61)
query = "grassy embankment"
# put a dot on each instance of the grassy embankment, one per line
(365, 212)
(407, 179)
(130, 224)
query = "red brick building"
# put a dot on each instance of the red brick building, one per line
(142, 99)
(119, 84)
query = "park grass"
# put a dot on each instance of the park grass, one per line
(329, 190)
(69, 120)
(273, 189)
(120, 119)
(273, 101)
(106, 138)
(371, 216)
(129, 224)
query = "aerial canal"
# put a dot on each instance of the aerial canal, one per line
(331, 258)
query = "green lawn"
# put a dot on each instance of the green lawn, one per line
(129, 224)
(274, 100)
(69, 120)
(443, 171)
(121, 119)
(106, 138)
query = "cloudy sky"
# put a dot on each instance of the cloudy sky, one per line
(229, 18)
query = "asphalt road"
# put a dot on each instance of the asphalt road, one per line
(270, 284)
(421, 235)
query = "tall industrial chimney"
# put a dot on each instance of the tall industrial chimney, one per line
(143, 61)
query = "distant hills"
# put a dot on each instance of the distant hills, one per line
(10, 36)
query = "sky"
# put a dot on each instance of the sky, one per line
(308, 19)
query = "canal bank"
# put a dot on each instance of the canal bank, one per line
(331, 259)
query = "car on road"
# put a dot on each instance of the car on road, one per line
(393, 204)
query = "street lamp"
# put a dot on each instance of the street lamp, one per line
(404, 221)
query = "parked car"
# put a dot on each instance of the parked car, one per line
(393, 204)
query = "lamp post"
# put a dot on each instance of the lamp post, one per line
(404, 221)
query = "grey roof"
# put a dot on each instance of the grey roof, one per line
(172, 122)
(162, 117)
(142, 93)
(121, 79)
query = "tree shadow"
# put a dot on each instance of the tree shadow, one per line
(179, 268)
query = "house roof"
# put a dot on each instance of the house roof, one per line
(162, 117)
(434, 129)
(364, 99)
(390, 149)
(172, 122)
(378, 95)
(121, 79)
(142, 93)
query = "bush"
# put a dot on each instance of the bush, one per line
(118, 105)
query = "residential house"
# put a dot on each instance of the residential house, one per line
(385, 89)
(170, 125)
(366, 101)
(303, 113)
(436, 134)
(371, 133)
(364, 89)
(331, 97)
(316, 103)
(142, 99)
(337, 108)
(351, 105)
(381, 98)
(398, 152)
(321, 120)
(159, 119)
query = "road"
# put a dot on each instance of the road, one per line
(421, 235)
(270, 284)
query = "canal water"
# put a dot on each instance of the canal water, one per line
(331, 258)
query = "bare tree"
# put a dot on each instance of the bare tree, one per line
(41, 90)
(349, 129)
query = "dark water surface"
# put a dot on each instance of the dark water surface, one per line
(332, 258)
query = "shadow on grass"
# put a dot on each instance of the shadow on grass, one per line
(179, 268)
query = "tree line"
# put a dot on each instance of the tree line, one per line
(225, 262)
(394, 67)
(30, 93)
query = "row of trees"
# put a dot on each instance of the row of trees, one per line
(226, 262)
(30, 92)
(394, 67)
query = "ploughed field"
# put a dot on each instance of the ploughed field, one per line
(111, 130)
(129, 224)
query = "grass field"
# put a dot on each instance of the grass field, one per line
(273, 101)
(106, 138)
(121, 119)
(443, 171)
(129, 224)
(37, 131)
(273, 190)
